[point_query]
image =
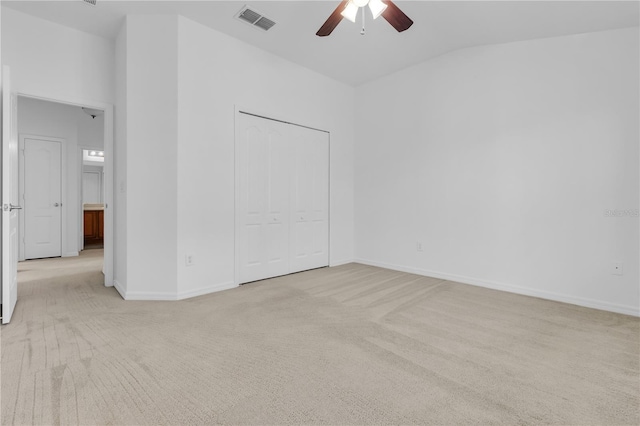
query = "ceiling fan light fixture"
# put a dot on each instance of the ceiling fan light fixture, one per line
(350, 11)
(377, 7)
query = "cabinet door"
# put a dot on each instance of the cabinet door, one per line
(100, 224)
(89, 225)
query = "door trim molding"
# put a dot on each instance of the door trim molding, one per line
(109, 225)
(63, 191)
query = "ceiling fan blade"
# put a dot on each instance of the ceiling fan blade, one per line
(396, 17)
(332, 22)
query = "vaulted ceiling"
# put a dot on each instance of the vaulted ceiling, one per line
(347, 56)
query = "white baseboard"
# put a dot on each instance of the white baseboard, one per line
(206, 290)
(149, 295)
(340, 262)
(120, 288)
(527, 291)
(169, 296)
(71, 254)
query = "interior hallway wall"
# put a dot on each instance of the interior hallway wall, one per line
(502, 161)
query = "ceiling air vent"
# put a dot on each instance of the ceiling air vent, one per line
(91, 2)
(254, 18)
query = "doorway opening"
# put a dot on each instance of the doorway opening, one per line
(92, 183)
(63, 191)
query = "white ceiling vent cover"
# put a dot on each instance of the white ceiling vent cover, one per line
(254, 18)
(91, 2)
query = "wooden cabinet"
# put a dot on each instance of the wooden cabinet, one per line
(101, 224)
(93, 227)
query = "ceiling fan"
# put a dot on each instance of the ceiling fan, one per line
(349, 9)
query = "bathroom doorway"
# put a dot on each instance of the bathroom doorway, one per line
(92, 193)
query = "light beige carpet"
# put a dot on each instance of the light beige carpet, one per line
(347, 345)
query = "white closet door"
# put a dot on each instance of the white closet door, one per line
(309, 239)
(264, 199)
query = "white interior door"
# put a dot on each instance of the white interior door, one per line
(282, 214)
(9, 198)
(42, 198)
(264, 202)
(309, 199)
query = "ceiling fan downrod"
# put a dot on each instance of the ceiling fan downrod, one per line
(363, 15)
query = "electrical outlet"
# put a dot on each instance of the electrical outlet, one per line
(419, 246)
(617, 268)
(189, 260)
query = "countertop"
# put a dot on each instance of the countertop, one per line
(92, 207)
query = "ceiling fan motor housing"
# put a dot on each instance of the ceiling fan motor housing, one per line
(349, 9)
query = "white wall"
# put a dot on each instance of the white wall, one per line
(501, 161)
(41, 118)
(151, 152)
(92, 193)
(3, 201)
(179, 82)
(90, 131)
(216, 73)
(120, 169)
(54, 61)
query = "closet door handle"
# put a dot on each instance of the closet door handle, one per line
(56, 205)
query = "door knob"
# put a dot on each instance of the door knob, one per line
(10, 207)
(55, 204)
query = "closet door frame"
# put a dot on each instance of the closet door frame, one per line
(238, 110)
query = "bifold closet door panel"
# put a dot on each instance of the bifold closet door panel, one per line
(309, 236)
(263, 216)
